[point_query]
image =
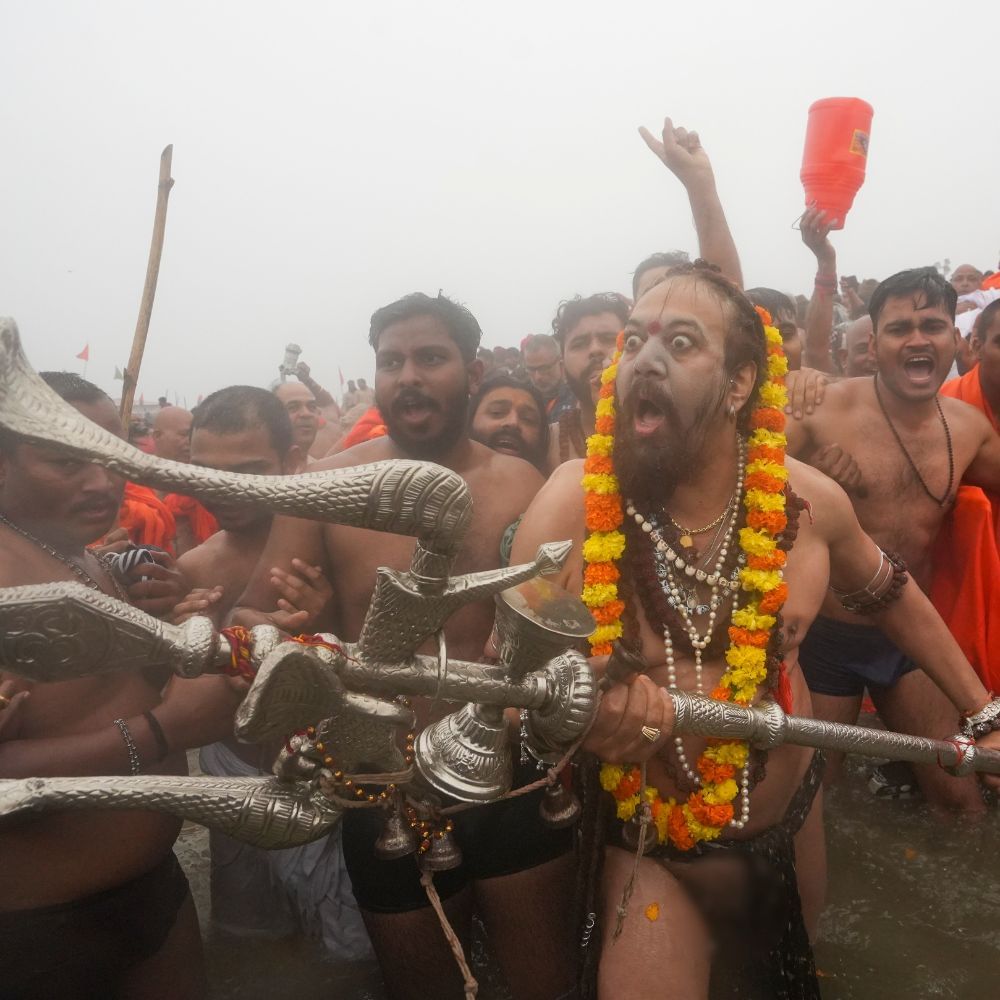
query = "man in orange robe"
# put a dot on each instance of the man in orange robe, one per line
(966, 583)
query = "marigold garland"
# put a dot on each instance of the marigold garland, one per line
(707, 811)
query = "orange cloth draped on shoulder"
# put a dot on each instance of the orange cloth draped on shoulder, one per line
(965, 586)
(993, 281)
(368, 427)
(203, 525)
(146, 518)
(968, 389)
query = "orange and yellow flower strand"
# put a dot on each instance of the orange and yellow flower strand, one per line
(604, 516)
(708, 810)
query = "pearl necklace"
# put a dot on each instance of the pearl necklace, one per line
(81, 574)
(668, 561)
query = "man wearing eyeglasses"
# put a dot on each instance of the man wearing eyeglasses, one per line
(544, 367)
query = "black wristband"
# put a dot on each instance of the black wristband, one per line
(158, 735)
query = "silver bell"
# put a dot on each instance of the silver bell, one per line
(443, 854)
(559, 807)
(397, 839)
(467, 754)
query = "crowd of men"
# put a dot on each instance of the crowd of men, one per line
(892, 437)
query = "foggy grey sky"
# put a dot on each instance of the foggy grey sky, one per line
(331, 157)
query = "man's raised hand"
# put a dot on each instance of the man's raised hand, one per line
(681, 151)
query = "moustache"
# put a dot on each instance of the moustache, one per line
(102, 505)
(508, 436)
(411, 397)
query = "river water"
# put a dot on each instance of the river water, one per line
(913, 912)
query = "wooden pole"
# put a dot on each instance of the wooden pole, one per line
(131, 376)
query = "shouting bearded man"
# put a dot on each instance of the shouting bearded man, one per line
(708, 512)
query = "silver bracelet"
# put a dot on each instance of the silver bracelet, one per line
(134, 763)
(983, 722)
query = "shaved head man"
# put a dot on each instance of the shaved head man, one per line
(303, 411)
(966, 278)
(172, 433)
(856, 357)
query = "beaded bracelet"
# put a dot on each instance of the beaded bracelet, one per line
(134, 763)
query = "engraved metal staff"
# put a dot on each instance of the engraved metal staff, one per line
(766, 726)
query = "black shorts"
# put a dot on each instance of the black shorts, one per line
(78, 950)
(842, 658)
(497, 839)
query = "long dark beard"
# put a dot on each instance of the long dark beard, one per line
(650, 470)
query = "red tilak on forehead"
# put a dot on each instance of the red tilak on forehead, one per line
(653, 327)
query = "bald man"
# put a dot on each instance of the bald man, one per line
(303, 411)
(966, 278)
(172, 433)
(856, 358)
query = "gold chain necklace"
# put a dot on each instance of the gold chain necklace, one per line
(687, 539)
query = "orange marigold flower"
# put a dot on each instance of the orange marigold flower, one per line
(773, 522)
(762, 481)
(620, 341)
(604, 572)
(608, 614)
(629, 785)
(604, 425)
(764, 315)
(714, 773)
(764, 453)
(746, 637)
(772, 601)
(773, 560)
(601, 649)
(768, 418)
(604, 511)
(710, 815)
(677, 830)
(599, 464)
(721, 693)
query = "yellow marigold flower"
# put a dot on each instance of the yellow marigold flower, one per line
(768, 468)
(744, 694)
(720, 794)
(729, 753)
(756, 543)
(626, 808)
(750, 618)
(760, 500)
(773, 337)
(777, 365)
(600, 445)
(611, 776)
(596, 594)
(763, 580)
(773, 394)
(600, 482)
(745, 656)
(649, 793)
(770, 439)
(606, 633)
(660, 821)
(606, 406)
(603, 546)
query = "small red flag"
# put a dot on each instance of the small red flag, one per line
(84, 355)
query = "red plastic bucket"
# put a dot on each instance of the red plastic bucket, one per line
(836, 154)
